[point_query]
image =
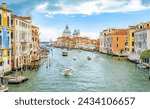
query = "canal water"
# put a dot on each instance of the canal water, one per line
(102, 74)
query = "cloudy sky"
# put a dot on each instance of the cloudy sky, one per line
(90, 16)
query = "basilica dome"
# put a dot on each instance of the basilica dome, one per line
(66, 31)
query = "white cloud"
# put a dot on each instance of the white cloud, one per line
(49, 33)
(49, 16)
(94, 6)
(42, 7)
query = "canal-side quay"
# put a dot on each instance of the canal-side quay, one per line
(101, 73)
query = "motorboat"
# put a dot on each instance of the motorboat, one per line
(64, 53)
(74, 58)
(89, 58)
(3, 88)
(68, 72)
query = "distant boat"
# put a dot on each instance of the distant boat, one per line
(3, 88)
(68, 72)
(74, 58)
(64, 53)
(89, 58)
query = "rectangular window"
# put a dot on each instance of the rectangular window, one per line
(8, 61)
(0, 19)
(132, 34)
(8, 21)
(1, 63)
(8, 53)
(12, 50)
(11, 35)
(117, 38)
(12, 22)
(117, 45)
(132, 43)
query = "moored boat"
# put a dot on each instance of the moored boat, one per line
(141, 66)
(3, 88)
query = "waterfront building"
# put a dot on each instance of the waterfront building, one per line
(35, 44)
(21, 38)
(120, 42)
(105, 40)
(131, 41)
(115, 41)
(5, 42)
(142, 37)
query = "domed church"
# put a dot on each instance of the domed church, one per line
(76, 33)
(66, 32)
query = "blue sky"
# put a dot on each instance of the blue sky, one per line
(90, 16)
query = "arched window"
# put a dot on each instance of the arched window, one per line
(0, 19)
(8, 21)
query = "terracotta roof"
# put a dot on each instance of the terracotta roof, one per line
(120, 32)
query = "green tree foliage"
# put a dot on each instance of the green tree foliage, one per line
(145, 54)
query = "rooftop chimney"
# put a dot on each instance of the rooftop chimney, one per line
(4, 5)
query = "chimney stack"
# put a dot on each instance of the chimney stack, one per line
(4, 5)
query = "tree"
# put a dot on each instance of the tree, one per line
(145, 54)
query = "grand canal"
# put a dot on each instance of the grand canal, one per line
(102, 73)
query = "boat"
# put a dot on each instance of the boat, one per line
(89, 58)
(64, 53)
(74, 58)
(141, 66)
(68, 72)
(3, 88)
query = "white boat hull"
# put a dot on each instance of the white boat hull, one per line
(68, 72)
(3, 89)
